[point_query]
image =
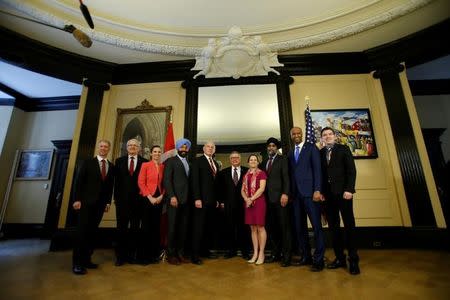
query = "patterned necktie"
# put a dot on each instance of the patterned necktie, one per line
(297, 152)
(103, 169)
(131, 165)
(269, 165)
(235, 176)
(329, 149)
(213, 167)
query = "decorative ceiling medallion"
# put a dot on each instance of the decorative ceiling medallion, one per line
(236, 55)
(384, 17)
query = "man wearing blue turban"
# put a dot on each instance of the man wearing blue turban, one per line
(176, 184)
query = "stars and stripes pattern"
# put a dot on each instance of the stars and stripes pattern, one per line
(310, 136)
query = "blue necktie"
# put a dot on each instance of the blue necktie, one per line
(186, 166)
(297, 153)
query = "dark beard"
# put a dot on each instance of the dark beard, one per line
(182, 153)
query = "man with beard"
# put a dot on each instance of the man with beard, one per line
(176, 183)
(278, 207)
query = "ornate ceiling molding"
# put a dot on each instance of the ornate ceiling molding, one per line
(158, 48)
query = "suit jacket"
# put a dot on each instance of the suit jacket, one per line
(150, 178)
(90, 188)
(339, 175)
(176, 182)
(126, 187)
(203, 180)
(278, 179)
(306, 177)
(227, 192)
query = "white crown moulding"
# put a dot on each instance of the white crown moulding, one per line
(158, 48)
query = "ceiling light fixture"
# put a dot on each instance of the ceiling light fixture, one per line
(79, 35)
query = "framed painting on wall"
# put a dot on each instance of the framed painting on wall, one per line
(146, 123)
(34, 164)
(353, 127)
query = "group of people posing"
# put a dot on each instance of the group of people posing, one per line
(279, 193)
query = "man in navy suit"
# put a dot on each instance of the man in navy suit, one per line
(339, 176)
(93, 192)
(306, 180)
(129, 203)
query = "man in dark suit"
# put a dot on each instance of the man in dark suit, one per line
(204, 170)
(339, 176)
(306, 180)
(229, 183)
(128, 203)
(278, 207)
(176, 184)
(93, 192)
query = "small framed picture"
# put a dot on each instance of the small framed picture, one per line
(34, 164)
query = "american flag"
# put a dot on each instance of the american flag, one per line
(310, 136)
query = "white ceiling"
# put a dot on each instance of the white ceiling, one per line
(145, 31)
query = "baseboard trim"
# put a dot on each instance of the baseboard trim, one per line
(367, 238)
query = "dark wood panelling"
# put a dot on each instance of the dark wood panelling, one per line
(35, 56)
(430, 87)
(414, 49)
(416, 190)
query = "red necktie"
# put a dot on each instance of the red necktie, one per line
(235, 177)
(211, 163)
(269, 165)
(103, 169)
(131, 165)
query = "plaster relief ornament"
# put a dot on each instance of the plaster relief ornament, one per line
(236, 56)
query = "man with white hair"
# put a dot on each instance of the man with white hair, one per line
(128, 203)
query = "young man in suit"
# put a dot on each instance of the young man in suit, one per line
(278, 207)
(176, 184)
(128, 203)
(339, 176)
(306, 181)
(229, 183)
(204, 170)
(93, 192)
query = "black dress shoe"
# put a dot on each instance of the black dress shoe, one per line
(79, 270)
(305, 261)
(246, 256)
(119, 262)
(196, 261)
(229, 255)
(91, 265)
(285, 263)
(337, 263)
(354, 267)
(317, 267)
(272, 259)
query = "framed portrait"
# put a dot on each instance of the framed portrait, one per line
(353, 127)
(34, 165)
(146, 123)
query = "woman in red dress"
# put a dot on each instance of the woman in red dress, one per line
(150, 185)
(253, 185)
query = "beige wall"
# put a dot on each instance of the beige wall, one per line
(379, 198)
(5, 117)
(33, 130)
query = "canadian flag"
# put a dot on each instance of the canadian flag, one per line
(169, 151)
(169, 144)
